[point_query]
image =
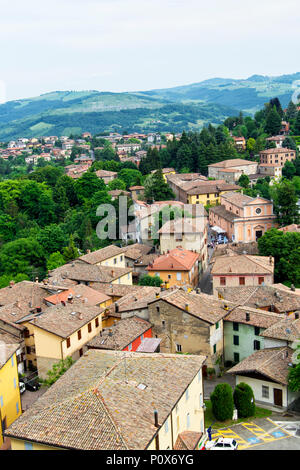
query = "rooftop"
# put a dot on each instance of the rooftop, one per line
(288, 329)
(101, 255)
(242, 264)
(97, 404)
(177, 259)
(92, 296)
(78, 271)
(231, 163)
(9, 344)
(272, 363)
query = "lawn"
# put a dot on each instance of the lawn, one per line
(211, 421)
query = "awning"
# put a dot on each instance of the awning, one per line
(218, 229)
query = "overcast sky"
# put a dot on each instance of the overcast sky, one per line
(127, 45)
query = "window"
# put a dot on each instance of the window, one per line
(28, 446)
(178, 348)
(157, 309)
(115, 260)
(215, 348)
(130, 347)
(79, 334)
(261, 280)
(121, 258)
(178, 276)
(15, 383)
(236, 340)
(258, 211)
(236, 357)
(17, 407)
(235, 326)
(97, 322)
(1, 401)
(188, 420)
(166, 427)
(217, 325)
(265, 391)
(28, 349)
(242, 281)
(200, 400)
(163, 323)
(89, 327)
(68, 342)
(222, 281)
(256, 330)
(187, 394)
(199, 376)
(12, 360)
(142, 337)
(256, 345)
(169, 276)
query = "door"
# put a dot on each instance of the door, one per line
(277, 397)
(258, 234)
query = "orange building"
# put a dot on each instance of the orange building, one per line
(178, 267)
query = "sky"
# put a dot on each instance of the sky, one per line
(131, 45)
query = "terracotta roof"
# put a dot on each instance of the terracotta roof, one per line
(288, 329)
(242, 264)
(136, 250)
(176, 260)
(97, 404)
(277, 150)
(121, 290)
(105, 173)
(212, 188)
(101, 255)
(272, 363)
(78, 291)
(24, 291)
(231, 163)
(203, 306)
(187, 440)
(225, 214)
(120, 335)
(290, 228)
(9, 344)
(238, 198)
(262, 297)
(145, 260)
(63, 320)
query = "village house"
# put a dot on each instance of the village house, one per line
(189, 323)
(278, 156)
(290, 228)
(285, 332)
(137, 192)
(115, 193)
(79, 291)
(106, 176)
(266, 372)
(178, 183)
(189, 234)
(10, 400)
(125, 335)
(111, 255)
(277, 139)
(243, 330)
(242, 270)
(178, 267)
(158, 399)
(243, 218)
(231, 170)
(166, 172)
(128, 148)
(63, 330)
(207, 193)
(239, 143)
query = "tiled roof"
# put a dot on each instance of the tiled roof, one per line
(79, 271)
(176, 260)
(225, 214)
(9, 344)
(97, 405)
(277, 150)
(212, 188)
(242, 264)
(287, 329)
(119, 290)
(272, 363)
(24, 291)
(121, 334)
(262, 297)
(256, 317)
(63, 320)
(203, 306)
(183, 225)
(231, 163)
(187, 440)
(136, 250)
(238, 198)
(101, 255)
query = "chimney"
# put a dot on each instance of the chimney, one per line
(88, 252)
(112, 273)
(247, 316)
(293, 287)
(80, 316)
(36, 280)
(157, 295)
(157, 426)
(70, 298)
(187, 307)
(12, 283)
(296, 315)
(270, 260)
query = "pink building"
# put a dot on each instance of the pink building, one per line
(244, 218)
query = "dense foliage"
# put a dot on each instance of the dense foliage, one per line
(243, 398)
(222, 402)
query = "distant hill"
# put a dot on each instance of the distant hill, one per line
(171, 109)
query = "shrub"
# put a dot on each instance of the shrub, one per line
(222, 402)
(243, 397)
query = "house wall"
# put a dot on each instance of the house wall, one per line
(246, 334)
(19, 444)
(194, 335)
(170, 277)
(10, 400)
(189, 404)
(115, 261)
(135, 344)
(232, 280)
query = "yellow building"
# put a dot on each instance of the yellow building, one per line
(10, 401)
(111, 255)
(166, 172)
(117, 400)
(209, 192)
(63, 331)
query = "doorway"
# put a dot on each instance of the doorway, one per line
(277, 397)
(258, 234)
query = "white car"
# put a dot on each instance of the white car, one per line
(222, 443)
(22, 387)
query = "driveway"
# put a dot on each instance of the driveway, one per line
(28, 398)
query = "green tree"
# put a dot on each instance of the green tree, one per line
(294, 372)
(156, 189)
(55, 260)
(244, 181)
(52, 238)
(243, 398)
(273, 122)
(87, 185)
(70, 252)
(222, 402)
(289, 170)
(147, 280)
(58, 369)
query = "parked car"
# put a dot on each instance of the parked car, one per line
(32, 386)
(222, 443)
(22, 387)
